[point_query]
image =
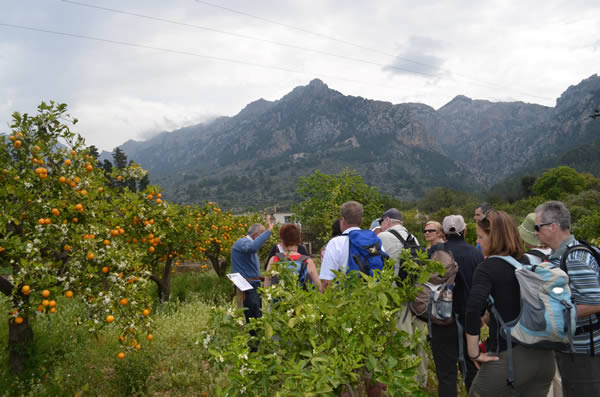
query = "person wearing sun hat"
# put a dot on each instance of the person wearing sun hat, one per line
(536, 252)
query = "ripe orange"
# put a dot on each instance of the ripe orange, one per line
(62, 179)
(41, 221)
(106, 242)
(158, 201)
(73, 152)
(114, 233)
(26, 290)
(79, 207)
(53, 310)
(110, 318)
(150, 197)
(105, 269)
(69, 294)
(121, 355)
(67, 162)
(146, 312)
(123, 301)
(45, 293)
(90, 255)
(75, 220)
(45, 302)
(55, 212)
(151, 221)
(138, 347)
(149, 337)
(11, 138)
(19, 320)
(121, 231)
(100, 189)
(52, 303)
(89, 167)
(17, 144)
(151, 249)
(159, 195)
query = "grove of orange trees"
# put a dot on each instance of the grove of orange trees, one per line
(68, 230)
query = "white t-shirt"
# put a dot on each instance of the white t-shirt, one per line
(336, 255)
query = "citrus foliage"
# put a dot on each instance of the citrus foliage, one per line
(57, 229)
(309, 342)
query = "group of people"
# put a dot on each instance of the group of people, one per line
(543, 236)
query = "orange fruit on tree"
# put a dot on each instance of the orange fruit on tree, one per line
(73, 152)
(90, 255)
(26, 290)
(123, 301)
(75, 220)
(149, 337)
(52, 303)
(146, 312)
(100, 189)
(17, 144)
(79, 207)
(67, 162)
(105, 269)
(19, 320)
(106, 242)
(121, 355)
(45, 293)
(114, 233)
(53, 310)
(69, 294)
(150, 197)
(110, 318)
(89, 167)
(55, 212)
(158, 201)
(62, 179)
(45, 302)
(138, 346)
(151, 249)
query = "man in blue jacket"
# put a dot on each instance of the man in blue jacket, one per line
(244, 260)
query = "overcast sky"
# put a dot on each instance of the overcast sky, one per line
(213, 57)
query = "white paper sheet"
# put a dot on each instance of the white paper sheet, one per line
(239, 281)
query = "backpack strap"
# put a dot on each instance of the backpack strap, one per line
(399, 236)
(515, 263)
(280, 256)
(502, 326)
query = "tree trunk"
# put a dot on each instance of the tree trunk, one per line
(164, 283)
(220, 267)
(20, 342)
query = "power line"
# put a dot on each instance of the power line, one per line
(178, 52)
(249, 37)
(375, 50)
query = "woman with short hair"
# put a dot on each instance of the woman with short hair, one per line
(434, 233)
(495, 277)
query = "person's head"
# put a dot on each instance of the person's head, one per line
(336, 228)
(552, 223)
(391, 217)
(527, 231)
(351, 214)
(255, 230)
(433, 232)
(290, 235)
(483, 209)
(498, 235)
(375, 227)
(454, 225)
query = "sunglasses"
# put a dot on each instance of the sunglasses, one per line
(538, 227)
(429, 231)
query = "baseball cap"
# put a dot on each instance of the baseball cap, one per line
(453, 224)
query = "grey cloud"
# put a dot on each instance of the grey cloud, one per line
(418, 57)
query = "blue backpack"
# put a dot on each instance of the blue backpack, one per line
(299, 266)
(365, 253)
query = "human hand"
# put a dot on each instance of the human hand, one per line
(483, 358)
(269, 222)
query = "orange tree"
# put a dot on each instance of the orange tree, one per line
(57, 234)
(161, 231)
(217, 232)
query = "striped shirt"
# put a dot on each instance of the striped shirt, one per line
(584, 280)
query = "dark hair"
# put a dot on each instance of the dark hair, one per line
(336, 228)
(352, 212)
(503, 233)
(289, 234)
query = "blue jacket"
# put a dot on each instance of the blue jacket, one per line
(244, 257)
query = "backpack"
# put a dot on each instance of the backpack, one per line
(365, 253)
(538, 254)
(411, 244)
(299, 266)
(434, 302)
(595, 251)
(547, 318)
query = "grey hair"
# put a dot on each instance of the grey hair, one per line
(396, 221)
(254, 228)
(555, 212)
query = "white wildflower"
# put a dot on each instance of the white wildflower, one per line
(348, 330)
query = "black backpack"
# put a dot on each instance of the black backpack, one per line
(410, 243)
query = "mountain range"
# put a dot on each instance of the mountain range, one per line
(255, 158)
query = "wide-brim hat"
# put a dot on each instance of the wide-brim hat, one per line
(527, 230)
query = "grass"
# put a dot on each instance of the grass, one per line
(69, 361)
